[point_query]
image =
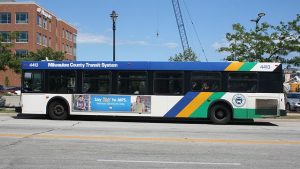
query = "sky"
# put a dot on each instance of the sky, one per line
(140, 21)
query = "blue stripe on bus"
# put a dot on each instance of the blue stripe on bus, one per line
(122, 65)
(181, 104)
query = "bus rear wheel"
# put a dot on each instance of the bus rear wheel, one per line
(57, 111)
(220, 114)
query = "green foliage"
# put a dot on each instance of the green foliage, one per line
(9, 60)
(45, 53)
(6, 56)
(187, 56)
(265, 43)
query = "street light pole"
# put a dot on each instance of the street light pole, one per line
(114, 16)
(259, 16)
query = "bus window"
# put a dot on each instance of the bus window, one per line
(270, 82)
(132, 83)
(206, 81)
(168, 83)
(32, 82)
(61, 81)
(242, 82)
(96, 82)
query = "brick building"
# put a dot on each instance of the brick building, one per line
(37, 28)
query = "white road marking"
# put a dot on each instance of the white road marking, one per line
(168, 162)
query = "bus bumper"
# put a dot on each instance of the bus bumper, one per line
(283, 113)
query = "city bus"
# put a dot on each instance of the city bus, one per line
(218, 91)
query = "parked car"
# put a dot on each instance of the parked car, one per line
(2, 101)
(293, 101)
(1, 88)
(17, 92)
(9, 89)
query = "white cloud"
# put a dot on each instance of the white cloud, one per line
(134, 42)
(93, 38)
(89, 38)
(218, 45)
(171, 45)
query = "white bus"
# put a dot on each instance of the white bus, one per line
(219, 91)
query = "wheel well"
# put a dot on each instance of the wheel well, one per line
(221, 102)
(60, 100)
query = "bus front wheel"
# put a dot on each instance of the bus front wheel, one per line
(57, 111)
(220, 114)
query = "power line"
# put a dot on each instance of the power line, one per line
(194, 28)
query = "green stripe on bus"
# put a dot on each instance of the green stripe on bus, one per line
(202, 110)
(247, 66)
(254, 113)
(240, 113)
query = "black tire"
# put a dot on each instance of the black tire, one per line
(57, 111)
(288, 107)
(220, 114)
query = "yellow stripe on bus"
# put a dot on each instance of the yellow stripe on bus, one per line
(194, 104)
(234, 66)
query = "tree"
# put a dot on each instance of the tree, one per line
(265, 43)
(7, 58)
(40, 54)
(45, 53)
(187, 55)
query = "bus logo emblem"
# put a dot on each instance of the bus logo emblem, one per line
(239, 100)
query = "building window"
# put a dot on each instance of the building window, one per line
(74, 38)
(5, 17)
(39, 38)
(45, 23)
(21, 17)
(68, 35)
(21, 53)
(39, 21)
(22, 37)
(49, 26)
(49, 42)
(5, 37)
(44, 40)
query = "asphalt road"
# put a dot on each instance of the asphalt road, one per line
(34, 142)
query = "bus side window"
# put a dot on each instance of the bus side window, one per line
(242, 82)
(62, 81)
(96, 82)
(206, 81)
(32, 82)
(132, 82)
(168, 83)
